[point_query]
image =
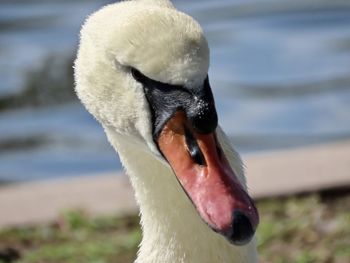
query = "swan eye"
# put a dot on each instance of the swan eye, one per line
(138, 76)
(151, 83)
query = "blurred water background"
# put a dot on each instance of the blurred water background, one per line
(279, 71)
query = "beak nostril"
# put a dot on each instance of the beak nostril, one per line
(241, 230)
(193, 148)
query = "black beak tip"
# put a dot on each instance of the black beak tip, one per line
(241, 231)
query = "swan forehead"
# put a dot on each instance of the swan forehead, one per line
(163, 43)
(169, 46)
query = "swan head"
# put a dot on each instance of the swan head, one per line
(142, 71)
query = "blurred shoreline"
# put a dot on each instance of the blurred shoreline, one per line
(278, 173)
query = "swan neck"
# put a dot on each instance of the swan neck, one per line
(172, 229)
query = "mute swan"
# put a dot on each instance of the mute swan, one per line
(141, 71)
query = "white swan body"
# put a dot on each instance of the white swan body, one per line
(113, 40)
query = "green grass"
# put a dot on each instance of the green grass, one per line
(75, 238)
(307, 229)
(304, 229)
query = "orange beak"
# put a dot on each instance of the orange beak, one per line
(206, 176)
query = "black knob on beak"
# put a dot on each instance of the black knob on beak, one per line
(201, 111)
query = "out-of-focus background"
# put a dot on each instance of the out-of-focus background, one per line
(279, 72)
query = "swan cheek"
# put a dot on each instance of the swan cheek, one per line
(207, 178)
